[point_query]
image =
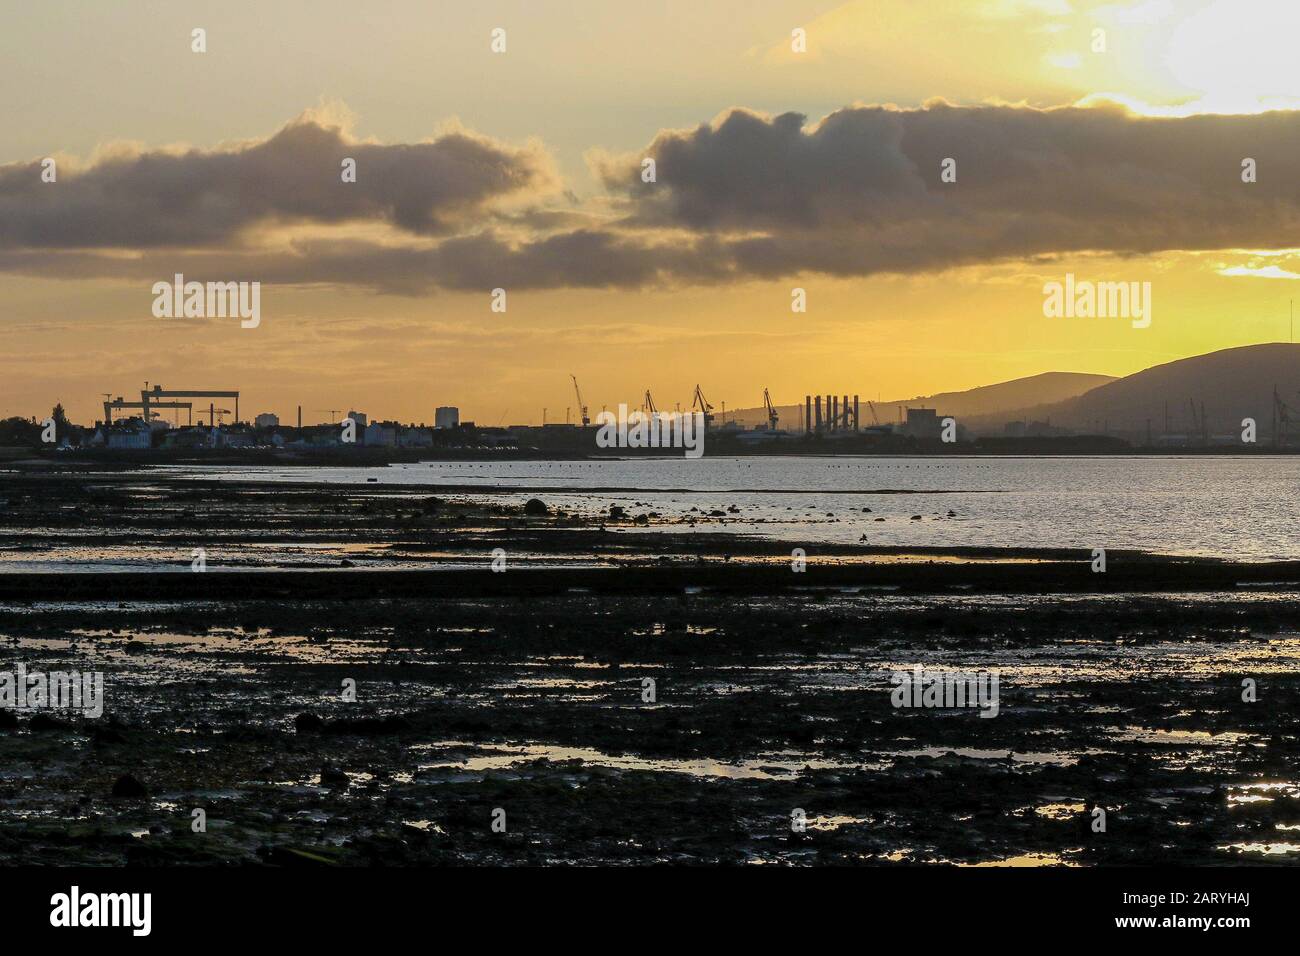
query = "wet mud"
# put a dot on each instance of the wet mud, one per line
(675, 723)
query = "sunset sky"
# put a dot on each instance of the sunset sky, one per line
(522, 170)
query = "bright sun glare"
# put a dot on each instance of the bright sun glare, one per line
(1239, 55)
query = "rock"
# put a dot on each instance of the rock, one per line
(866, 511)
(129, 786)
(46, 722)
(916, 517)
(536, 507)
(308, 723)
(333, 777)
(106, 735)
(616, 511)
(383, 726)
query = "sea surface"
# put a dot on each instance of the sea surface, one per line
(1239, 508)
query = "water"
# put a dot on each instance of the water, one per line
(1238, 508)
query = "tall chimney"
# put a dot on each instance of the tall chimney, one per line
(856, 408)
(807, 413)
(818, 412)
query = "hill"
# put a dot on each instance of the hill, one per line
(990, 401)
(1232, 384)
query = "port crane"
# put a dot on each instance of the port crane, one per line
(333, 413)
(872, 407)
(702, 403)
(146, 408)
(650, 403)
(582, 406)
(772, 417)
(150, 397)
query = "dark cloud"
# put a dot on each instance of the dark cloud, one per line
(747, 196)
(585, 259)
(196, 198)
(861, 192)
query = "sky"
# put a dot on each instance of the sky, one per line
(796, 145)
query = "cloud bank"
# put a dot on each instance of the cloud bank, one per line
(745, 196)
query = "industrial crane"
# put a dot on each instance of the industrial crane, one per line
(145, 408)
(772, 416)
(151, 397)
(703, 405)
(650, 403)
(871, 405)
(334, 413)
(582, 406)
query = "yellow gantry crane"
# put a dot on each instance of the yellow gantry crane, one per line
(582, 406)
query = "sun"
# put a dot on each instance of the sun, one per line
(1238, 55)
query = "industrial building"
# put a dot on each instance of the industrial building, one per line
(446, 416)
(839, 418)
(923, 423)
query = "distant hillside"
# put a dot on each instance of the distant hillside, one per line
(986, 400)
(1232, 383)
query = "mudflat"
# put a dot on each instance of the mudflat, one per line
(349, 682)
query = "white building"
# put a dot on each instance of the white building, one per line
(446, 416)
(132, 433)
(380, 435)
(267, 420)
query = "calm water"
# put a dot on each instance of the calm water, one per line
(1238, 508)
